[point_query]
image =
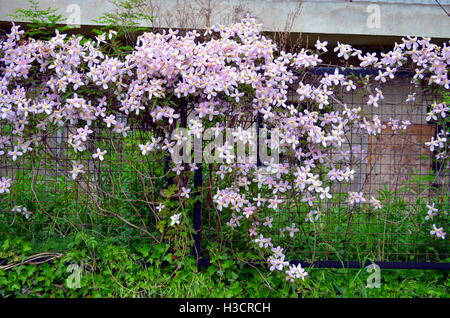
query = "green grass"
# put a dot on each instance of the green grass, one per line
(60, 206)
(397, 232)
(151, 271)
(67, 220)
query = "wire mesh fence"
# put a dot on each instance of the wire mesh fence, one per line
(114, 201)
(394, 166)
(117, 197)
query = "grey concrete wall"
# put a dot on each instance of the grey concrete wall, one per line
(323, 17)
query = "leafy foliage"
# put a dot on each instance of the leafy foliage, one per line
(87, 86)
(41, 23)
(153, 271)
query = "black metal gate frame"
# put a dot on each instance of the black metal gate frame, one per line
(197, 215)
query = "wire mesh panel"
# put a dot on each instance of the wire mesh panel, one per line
(393, 171)
(59, 192)
(115, 194)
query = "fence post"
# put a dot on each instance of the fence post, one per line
(258, 126)
(198, 182)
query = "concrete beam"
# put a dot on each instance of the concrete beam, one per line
(317, 17)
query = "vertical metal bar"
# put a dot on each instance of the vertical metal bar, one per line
(183, 112)
(258, 125)
(183, 105)
(198, 182)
